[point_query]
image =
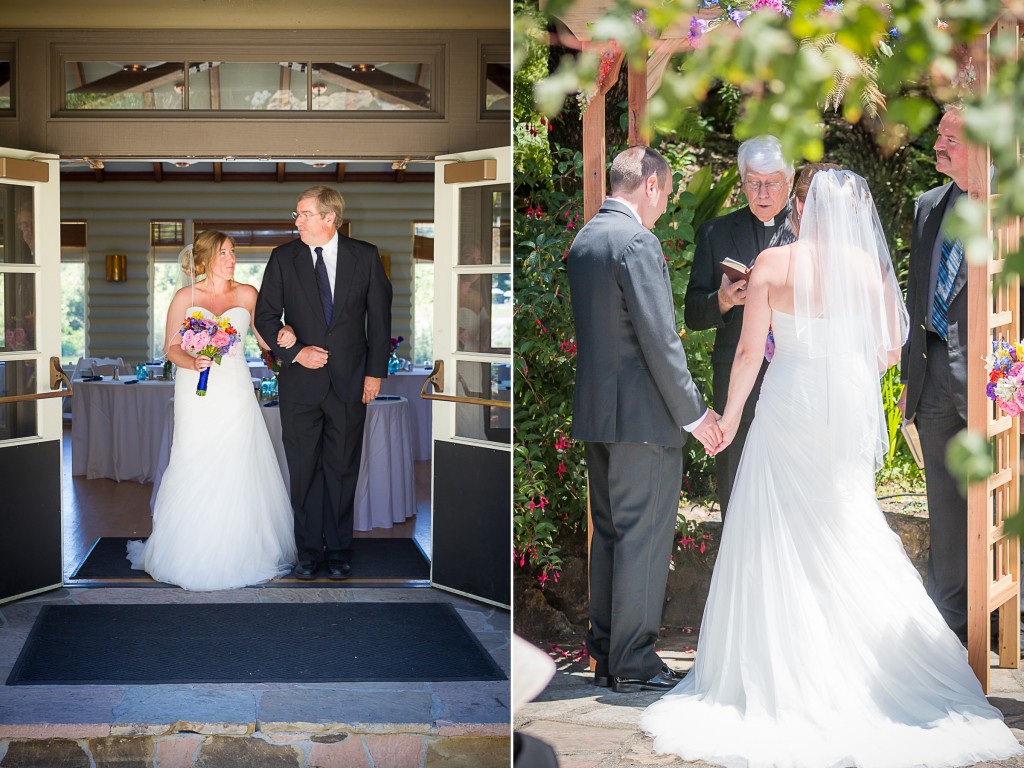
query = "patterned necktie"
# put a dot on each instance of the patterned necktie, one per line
(949, 265)
(324, 283)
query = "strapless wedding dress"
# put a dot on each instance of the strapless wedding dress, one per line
(819, 647)
(222, 518)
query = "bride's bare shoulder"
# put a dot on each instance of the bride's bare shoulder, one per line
(774, 261)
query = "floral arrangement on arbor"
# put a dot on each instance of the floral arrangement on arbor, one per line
(1005, 377)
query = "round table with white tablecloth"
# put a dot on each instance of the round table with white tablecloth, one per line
(408, 384)
(116, 427)
(385, 490)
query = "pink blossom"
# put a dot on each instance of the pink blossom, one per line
(186, 340)
(1010, 408)
(201, 340)
(221, 339)
(1018, 396)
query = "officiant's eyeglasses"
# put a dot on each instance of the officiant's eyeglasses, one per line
(305, 215)
(770, 187)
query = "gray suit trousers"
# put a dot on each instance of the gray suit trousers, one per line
(634, 496)
(937, 422)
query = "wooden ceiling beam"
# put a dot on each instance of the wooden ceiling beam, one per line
(218, 172)
(340, 174)
(158, 171)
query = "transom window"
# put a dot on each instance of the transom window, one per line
(362, 84)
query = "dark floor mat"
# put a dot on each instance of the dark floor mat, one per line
(251, 643)
(372, 559)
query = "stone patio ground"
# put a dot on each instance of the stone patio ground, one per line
(595, 728)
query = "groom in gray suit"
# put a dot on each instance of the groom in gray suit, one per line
(634, 397)
(934, 368)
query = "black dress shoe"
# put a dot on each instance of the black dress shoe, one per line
(675, 674)
(601, 677)
(306, 571)
(663, 681)
(338, 570)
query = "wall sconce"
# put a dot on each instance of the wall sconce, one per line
(117, 268)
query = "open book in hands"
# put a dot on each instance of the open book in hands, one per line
(736, 270)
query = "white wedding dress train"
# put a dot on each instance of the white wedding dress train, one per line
(819, 647)
(223, 518)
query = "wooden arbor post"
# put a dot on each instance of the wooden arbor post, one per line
(993, 312)
(644, 81)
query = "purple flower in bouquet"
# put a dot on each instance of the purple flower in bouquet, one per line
(213, 337)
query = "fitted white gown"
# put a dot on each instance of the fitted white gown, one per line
(222, 518)
(819, 647)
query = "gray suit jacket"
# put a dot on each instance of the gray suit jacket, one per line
(632, 382)
(928, 213)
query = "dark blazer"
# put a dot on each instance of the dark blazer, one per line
(928, 212)
(632, 383)
(359, 339)
(731, 235)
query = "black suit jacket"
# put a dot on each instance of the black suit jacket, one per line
(359, 338)
(731, 235)
(632, 383)
(928, 212)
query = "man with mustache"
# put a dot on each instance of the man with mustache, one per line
(934, 367)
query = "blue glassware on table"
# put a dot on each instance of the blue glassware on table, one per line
(266, 388)
(140, 372)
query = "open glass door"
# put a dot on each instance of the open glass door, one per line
(30, 382)
(472, 379)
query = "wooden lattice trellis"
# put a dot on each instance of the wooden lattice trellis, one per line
(993, 312)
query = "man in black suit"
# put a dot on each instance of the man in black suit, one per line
(333, 292)
(715, 301)
(634, 397)
(934, 368)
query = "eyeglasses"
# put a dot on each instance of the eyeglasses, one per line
(771, 187)
(304, 216)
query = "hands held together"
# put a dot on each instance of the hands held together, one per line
(316, 357)
(715, 433)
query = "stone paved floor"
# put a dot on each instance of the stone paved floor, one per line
(595, 728)
(327, 724)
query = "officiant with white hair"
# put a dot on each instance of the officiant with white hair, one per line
(713, 300)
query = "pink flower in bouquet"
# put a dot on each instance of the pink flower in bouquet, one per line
(1010, 408)
(1018, 396)
(200, 340)
(220, 339)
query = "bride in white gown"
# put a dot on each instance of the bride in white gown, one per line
(819, 647)
(222, 518)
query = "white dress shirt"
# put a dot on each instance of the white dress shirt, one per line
(330, 259)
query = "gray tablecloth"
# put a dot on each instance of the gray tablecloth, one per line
(116, 428)
(385, 491)
(407, 384)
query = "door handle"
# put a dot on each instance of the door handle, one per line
(57, 376)
(436, 378)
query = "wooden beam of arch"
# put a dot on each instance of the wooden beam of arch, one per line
(993, 312)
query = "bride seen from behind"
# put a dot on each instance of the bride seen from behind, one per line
(222, 517)
(819, 646)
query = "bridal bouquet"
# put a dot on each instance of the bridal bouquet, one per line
(210, 336)
(1005, 377)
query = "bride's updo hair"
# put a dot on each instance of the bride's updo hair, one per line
(803, 185)
(803, 180)
(202, 252)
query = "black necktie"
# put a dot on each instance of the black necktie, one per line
(324, 283)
